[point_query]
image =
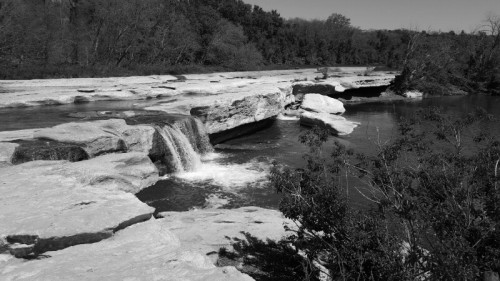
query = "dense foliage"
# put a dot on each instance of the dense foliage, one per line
(434, 194)
(68, 36)
(74, 38)
(447, 63)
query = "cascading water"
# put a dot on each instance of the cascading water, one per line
(178, 147)
(195, 131)
(197, 175)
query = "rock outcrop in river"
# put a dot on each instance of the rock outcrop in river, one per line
(320, 103)
(337, 125)
(319, 110)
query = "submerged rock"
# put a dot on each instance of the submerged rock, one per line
(52, 205)
(338, 125)
(320, 103)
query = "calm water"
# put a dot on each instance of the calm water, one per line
(48, 116)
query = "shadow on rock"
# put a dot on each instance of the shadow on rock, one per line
(265, 260)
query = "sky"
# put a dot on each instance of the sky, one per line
(435, 15)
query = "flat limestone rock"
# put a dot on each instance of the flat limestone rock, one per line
(337, 124)
(145, 251)
(101, 136)
(128, 172)
(22, 93)
(228, 114)
(325, 87)
(6, 136)
(320, 103)
(336, 85)
(74, 90)
(56, 204)
(206, 231)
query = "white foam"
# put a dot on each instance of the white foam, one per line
(215, 201)
(212, 156)
(229, 177)
(165, 177)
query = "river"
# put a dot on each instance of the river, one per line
(236, 174)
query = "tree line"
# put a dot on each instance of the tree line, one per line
(74, 38)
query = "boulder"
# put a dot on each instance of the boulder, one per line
(51, 205)
(319, 103)
(145, 251)
(338, 125)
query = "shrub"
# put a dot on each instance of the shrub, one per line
(434, 193)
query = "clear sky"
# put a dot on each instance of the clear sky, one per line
(441, 15)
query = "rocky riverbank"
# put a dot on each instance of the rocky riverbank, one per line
(68, 191)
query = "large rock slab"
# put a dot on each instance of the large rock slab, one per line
(128, 172)
(51, 205)
(8, 136)
(206, 231)
(179, 246)
(21, 93)
(146, 251)
(325, 87)
(32, 150)
(101, 136)
(228, 114)
(342, 83)
(338, 125)
(320, 103)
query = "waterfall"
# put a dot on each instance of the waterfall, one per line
(195, 131)
(178, 147)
